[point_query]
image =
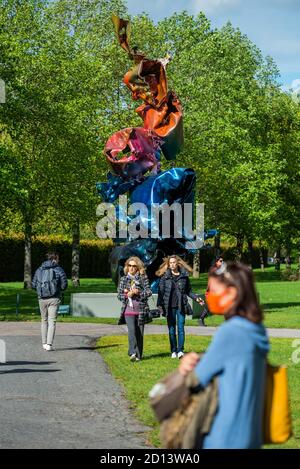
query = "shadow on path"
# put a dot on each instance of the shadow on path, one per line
(157, 355)
(28, 363)
(27, 370)
(271, 306)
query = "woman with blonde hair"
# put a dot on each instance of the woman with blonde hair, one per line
(174, 288)
(133, 291)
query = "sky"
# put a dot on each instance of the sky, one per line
(272, 25)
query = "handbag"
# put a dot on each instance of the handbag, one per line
(147, 317)
(150, 315)
(167, 393)
(154, 312)
(121, 319)
(277, 424)
(185, 416)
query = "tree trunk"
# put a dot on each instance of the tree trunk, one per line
(27, 255)
(288, 260)
(250, 252)
(75, 253)
(277, 258)
(261, 257)
(217, 245)
(239, 247)
(196, 265)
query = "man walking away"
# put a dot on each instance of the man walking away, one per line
(49, 280)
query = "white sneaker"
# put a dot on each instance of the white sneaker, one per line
(133, 357)
(180, 354)
(174, 355)
(44, 346)
(48, 347)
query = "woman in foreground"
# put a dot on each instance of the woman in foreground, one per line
(237, 356)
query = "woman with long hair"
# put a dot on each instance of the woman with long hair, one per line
(237, 356)
(133, 291)
(174, 288)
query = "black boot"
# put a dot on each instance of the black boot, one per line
(201, 322)
(203, 315)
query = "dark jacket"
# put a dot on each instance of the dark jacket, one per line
(59, 272)
(183, 288)
(142, 283)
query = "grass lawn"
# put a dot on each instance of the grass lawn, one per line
(28, 299)
(281, 300)
(138, 378)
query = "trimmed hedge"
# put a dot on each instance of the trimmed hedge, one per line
(93, 256)
(229, 254)
(207, 257)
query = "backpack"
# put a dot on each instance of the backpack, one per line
(47, 283)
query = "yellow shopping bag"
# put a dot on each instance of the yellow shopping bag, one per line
(277, 415)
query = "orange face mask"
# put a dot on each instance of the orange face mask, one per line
(213, 303)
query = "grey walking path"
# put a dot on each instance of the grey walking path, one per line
(62, 399)
(97, 330)
(68, 398)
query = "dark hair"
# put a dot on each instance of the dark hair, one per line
(218, 258)
(240, 276)
(52, 256)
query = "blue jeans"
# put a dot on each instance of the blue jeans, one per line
(174, 314)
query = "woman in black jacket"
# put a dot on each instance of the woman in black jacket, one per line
(174, 288)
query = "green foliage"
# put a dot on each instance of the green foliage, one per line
(241, 131)
(57, 60)
(63, 70)
(290, 274)
(94, 256)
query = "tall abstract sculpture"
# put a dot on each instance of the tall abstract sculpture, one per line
(134, 152)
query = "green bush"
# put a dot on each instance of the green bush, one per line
(94, 255)
(207, 257)
(290, 274)
(247, 258)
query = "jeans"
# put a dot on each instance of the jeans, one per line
(48, 309)
(135, 336)
(173, 315)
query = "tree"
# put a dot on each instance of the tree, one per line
(59, 70)
(25, 110)
(83, 87)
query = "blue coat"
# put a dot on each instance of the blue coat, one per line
(59, 272)
(237, 356)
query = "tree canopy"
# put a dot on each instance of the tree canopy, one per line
(63, 72)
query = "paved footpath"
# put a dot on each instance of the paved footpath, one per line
(99, 330)
(62, 399)
(68, 398)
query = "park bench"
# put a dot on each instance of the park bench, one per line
(63, 309)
